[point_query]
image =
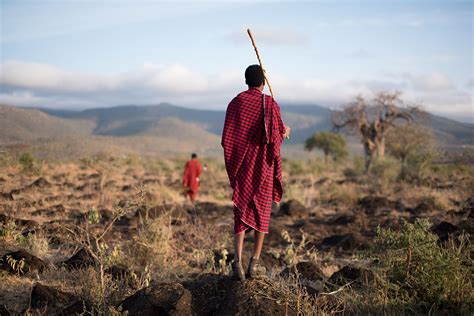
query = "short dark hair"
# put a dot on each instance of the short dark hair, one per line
(254, 76)
(194, 155)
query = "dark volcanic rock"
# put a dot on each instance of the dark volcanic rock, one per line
(342, 219)
(40, 183)
(293, 208)
(50, 299)
(349, 274)
(246, 298)
(77, 307)
(208, 292)
(118, 272)
(373, 204)
(24, 224)
(343, 242)
(7, 196)
(444, 230)
(4, 311)
(159, 299)
(421, 208)
(307, 270)
(81, 259)
(31, 263)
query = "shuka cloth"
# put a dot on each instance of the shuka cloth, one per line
(252, 158)
(192, 170)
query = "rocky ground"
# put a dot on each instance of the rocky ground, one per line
(117, 235)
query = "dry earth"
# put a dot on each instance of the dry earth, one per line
(114, 235)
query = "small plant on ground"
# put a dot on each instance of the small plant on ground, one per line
(294, 251)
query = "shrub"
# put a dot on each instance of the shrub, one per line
(27, 162)
(417, 166)
(415, 273)
(383, 172)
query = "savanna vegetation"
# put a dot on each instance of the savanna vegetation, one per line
(111, 235)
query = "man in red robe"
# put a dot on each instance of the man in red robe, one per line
(192, 170)
(252, 136)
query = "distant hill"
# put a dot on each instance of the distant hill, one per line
(19, 125)
(165, 128)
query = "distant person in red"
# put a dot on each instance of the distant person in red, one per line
(252, 136)
(192, 170)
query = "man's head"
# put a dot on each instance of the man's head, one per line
(194, 155)
(254, 76)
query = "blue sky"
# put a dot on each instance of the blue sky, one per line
(76, 54)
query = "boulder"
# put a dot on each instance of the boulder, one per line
(293, 208)
(306, 269)
(444, 230)
(351, 274)
(81, 259)
(373, 204)
(208, 292)
(341, 219)
(256, 297)
(421, 208)
(31, 264)
(50, 299)
(310, 275)
(159, 299)
(40, 183)
(24, 224)
(343, 242)
(7, 196)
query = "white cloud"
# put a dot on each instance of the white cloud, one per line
(432, 82)
(33, 84)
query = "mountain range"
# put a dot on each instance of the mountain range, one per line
(165, 129)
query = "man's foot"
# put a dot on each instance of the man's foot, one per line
(256, 269)
(237, 271)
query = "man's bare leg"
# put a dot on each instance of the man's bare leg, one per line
(238, 246)
(255, 269)
(238, 272)
(257, 250)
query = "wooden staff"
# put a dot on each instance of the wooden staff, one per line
(260, 61)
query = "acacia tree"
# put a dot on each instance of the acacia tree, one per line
(372, 120)
(409, 139)
(332, 144)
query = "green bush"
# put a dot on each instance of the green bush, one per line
(27, 162)
(416, 274)
(417, 166)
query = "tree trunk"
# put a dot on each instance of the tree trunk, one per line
(380, 147)
(368, 156)
(326, 156)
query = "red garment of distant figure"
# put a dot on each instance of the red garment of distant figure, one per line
(252, 158)
(192, 171)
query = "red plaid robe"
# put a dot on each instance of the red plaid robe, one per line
(192, 170)
(252, 158)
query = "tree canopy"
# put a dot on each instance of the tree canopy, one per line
(332, 144)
